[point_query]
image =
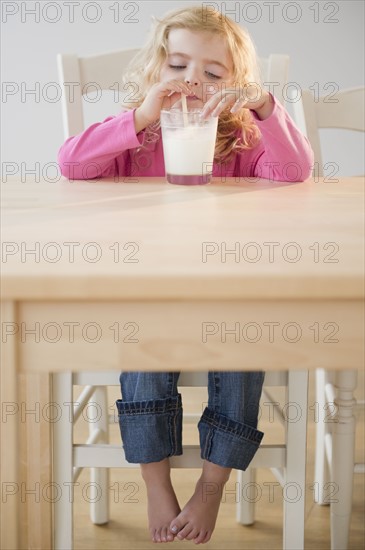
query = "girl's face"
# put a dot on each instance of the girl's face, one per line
(200, 58)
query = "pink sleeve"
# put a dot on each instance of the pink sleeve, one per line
(285, 153)
(94, 152)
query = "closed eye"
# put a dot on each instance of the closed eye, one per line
(212, 75)
(179, 67)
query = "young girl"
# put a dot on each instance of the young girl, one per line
(209, 58)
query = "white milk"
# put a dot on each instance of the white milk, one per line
(187, 149)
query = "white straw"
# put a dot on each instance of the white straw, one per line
(184, 109)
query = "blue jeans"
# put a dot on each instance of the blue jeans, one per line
(150, 417)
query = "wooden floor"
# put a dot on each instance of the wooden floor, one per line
(127, 528)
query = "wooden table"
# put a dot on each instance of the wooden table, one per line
(233, 275)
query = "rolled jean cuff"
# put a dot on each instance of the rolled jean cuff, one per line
(226, 442)
(151, 430)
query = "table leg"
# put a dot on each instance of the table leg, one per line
(9, 426)
(37, 493)
(25, 446)
(343, 454)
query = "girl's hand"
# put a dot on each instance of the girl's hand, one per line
(162, 95)
(252, 97)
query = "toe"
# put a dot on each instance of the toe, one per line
(193, 534)
(169, 536)
(201, 537)
(185, 532)
(164, 531)
(162, 535)
(176, 525)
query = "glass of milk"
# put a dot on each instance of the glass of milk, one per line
(188, 146)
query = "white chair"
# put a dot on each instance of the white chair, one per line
(287, 461)
(105, 70)
(344, 111)
(334, 390)
(274, 74)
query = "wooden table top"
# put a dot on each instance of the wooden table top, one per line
(147, 240)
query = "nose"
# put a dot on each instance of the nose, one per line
(193, 80)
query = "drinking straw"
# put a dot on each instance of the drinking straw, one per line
(184, 109)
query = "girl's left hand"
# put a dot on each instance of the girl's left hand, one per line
(252, 97)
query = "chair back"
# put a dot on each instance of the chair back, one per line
(345, 111)
(274, 72)
(80, 75)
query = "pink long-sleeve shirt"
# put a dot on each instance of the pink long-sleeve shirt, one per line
(112, 148)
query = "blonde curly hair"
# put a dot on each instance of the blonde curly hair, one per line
(144, 71)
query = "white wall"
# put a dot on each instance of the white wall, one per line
(325, 44)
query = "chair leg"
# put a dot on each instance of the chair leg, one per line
(62, 462)
(99, 477)
(321, 473)
(343, 456)
(245, 507)
(296, 442)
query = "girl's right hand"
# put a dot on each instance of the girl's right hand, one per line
(162, 95)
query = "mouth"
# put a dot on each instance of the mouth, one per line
(193, 101)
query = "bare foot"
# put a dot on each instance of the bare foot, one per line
(198, 517)
(163, 505)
